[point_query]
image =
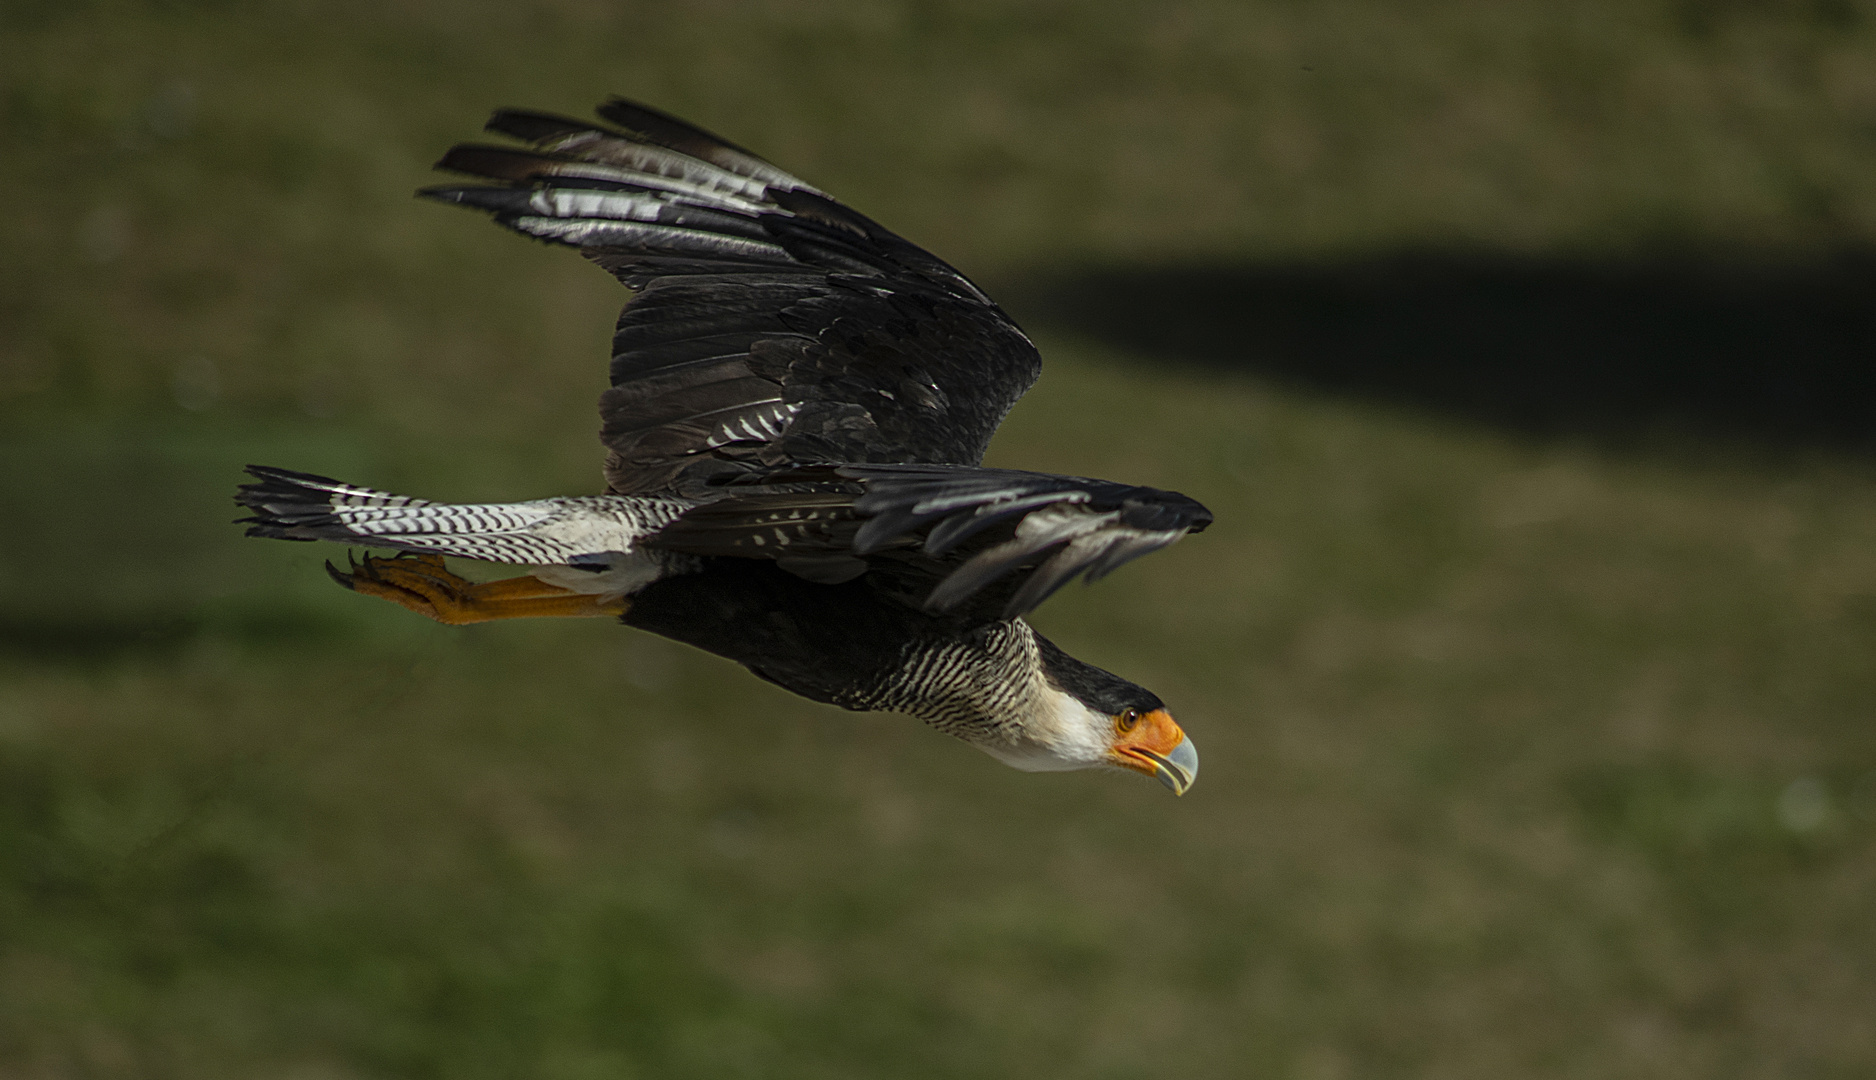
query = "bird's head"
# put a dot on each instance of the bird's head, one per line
(1087, 718)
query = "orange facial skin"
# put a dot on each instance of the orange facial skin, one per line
(1147, 743)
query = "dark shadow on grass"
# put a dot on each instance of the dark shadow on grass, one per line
(1781, 354)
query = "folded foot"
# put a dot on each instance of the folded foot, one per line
(424, 584)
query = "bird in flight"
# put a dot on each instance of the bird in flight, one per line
(800, 401)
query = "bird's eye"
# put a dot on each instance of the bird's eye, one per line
(1125, 721)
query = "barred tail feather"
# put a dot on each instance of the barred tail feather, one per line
(291, 505)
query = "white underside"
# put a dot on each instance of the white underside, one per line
(624, 575)
(1061, 735)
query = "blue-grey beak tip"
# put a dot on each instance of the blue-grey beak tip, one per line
(1178, 769)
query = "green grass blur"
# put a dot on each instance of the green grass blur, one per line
(1524, 757)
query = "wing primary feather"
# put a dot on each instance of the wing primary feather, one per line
(1046, 579)
(603, 233)
(882, 527)
(982, 569)
(531, 126)
(607, 202)
(686, 138)
(1127, 547)
(961, 527)
(645, 167)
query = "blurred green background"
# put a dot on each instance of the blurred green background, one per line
(1521, 348)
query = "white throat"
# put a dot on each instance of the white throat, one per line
(1058, 734)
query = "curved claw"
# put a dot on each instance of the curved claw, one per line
(340, 576)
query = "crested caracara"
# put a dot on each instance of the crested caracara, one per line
(799, 403)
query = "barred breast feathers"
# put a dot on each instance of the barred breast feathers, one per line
(978, 687)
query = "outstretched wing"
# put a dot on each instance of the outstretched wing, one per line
(771, 324)
(962, 529)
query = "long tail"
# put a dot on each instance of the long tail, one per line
(291, 505)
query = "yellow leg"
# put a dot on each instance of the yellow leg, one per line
(424, 584)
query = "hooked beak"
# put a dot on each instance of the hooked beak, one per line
(1159, 748)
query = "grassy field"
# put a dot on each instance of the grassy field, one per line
(1531, 750)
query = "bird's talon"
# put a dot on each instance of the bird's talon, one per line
(340, 576)
(418, 581)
